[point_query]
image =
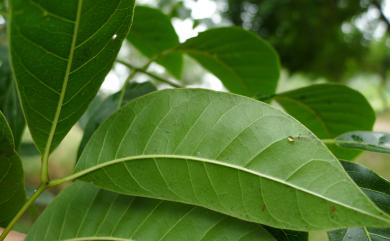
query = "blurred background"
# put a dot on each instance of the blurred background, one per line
(343, 41)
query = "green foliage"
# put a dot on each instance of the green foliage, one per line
(227, 153)
(12, 195)
(378, 189)
(9, 102)
(152, 43)
(365, 140)
(91, 213)
(178, 164)
(244, 63)
(329, 111)
(63, 50)
(308, 35)
(110, 105)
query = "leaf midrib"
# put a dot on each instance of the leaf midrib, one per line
(218, 163)
(65, 83)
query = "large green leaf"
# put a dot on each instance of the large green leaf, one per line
(83, 212)
(61, 51)
(244, 62)
(12, 194)
(378, 189)
(329, 110)
(152, 33)
(365, 140)
(228, 153)
(9, 103)
(110, 105)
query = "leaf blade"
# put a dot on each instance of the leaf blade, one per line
(194, 155)
(365, 140)
(12, 193)
(378, 189)
(60, 57)
(329, 110)
(245, 63)
(153, 33)
(91, 213)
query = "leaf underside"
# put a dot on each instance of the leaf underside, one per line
(228, 153)
(365, 140)
(61, 52)
(83, 212)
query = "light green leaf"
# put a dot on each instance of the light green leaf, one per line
(9, 103)
(110, 105)
(378, 189)
(329, 110)
(245, 63)
(83, 212)
(365, 140)
(12, 194)
(152, 33)
(61, 52)
(228, 153)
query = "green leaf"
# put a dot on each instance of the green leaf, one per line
(378, 189)
(83, 212)
(9, 103)
(287, 235)
(228, 153)
(365, 140)
(152, 33)
(245, 63)
(12, 194)
(329, 110)
(61, 52)
(109, 106)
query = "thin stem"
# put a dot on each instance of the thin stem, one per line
(22, 211)
(124, 88)
(154, 76)
(328, 141)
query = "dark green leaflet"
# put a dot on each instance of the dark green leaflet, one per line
(228, 153)
(109, 106)
(245, 63)
(83, 212)
(9, 103)
(152, 33)
(378, 189)
(329, 110)
(12, 194)
(61, 52)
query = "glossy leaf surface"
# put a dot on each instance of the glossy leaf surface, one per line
(12, 194)
(378, 189)
(228, 153)
(329, 110)
(152, 33)
(365, 140)
(245, 63)
(83, 212)
(61, 52)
